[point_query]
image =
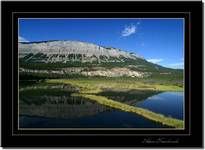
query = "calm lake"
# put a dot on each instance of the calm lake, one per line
(54, 107)
(167, 103)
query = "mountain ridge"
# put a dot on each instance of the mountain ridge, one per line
(66, 47)
(45, 41)
(66, 57)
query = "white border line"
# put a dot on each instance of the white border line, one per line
(103, 128)
(105, 0)
(106, 18)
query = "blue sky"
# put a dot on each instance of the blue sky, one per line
(157, 40)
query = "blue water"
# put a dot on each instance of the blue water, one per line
(167, 103)
(111, 119)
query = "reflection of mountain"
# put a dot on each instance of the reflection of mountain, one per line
(57, 102)
(62, 110)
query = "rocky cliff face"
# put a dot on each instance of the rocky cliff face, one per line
(71, 51)
(81, 58)
(96, 71)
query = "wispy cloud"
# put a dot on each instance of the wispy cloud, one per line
(22, 39)
(129, 30)
(155, 60)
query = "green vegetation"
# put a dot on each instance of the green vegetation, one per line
(43, 76)
(136, 65)
(95, 85)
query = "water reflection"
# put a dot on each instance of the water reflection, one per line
(55, 102)
(131, 97)
(43, 105)
(167, 103)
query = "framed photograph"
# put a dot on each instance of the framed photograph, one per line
(102, 74)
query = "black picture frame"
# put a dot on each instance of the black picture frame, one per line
(191, 136)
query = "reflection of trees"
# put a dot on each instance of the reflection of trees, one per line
(60, 107)
(57, 102)
(128, 96)
(62, 110)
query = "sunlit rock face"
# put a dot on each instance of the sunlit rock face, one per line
(79, 58)
(99, 71)
(66, 51)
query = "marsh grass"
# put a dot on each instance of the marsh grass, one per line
(96, 85)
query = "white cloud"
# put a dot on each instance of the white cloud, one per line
(22, 39)
(129, 30)
(155, 60)
(179, 65)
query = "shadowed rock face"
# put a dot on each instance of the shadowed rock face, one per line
(66, 51)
